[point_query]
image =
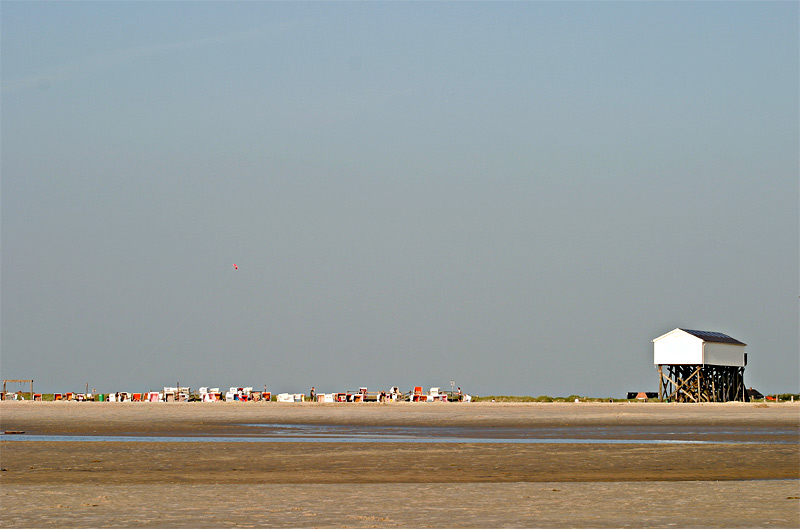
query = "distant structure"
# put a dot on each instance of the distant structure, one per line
(700, 366)
(5, 395)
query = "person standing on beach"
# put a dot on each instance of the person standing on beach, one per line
(313, 394)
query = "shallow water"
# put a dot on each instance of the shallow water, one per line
(315, 433)
(538, 434)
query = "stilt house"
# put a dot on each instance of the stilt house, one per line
(700, 366)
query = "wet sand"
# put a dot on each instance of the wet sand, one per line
(227, 418)
(727, 504)
(97, 484)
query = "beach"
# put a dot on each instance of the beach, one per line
(602, 465)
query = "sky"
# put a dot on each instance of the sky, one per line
(516, 197)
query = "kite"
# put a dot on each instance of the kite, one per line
(235, 267)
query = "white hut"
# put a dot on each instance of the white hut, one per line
(701, 366)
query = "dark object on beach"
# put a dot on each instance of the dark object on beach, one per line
(13, 432)
(648, 394)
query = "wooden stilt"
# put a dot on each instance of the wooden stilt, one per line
(701, 383)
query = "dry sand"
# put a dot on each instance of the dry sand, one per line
(161, 484)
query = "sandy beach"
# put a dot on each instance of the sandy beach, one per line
(744, 473)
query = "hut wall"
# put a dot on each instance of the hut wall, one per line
(678, 348)
(723, 354)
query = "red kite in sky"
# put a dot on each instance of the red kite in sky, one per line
(235, 267)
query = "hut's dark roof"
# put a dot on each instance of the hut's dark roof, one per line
(710, 336)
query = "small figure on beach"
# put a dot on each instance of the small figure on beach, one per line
(313, 394)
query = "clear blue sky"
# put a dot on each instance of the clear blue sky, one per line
(515, 196)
